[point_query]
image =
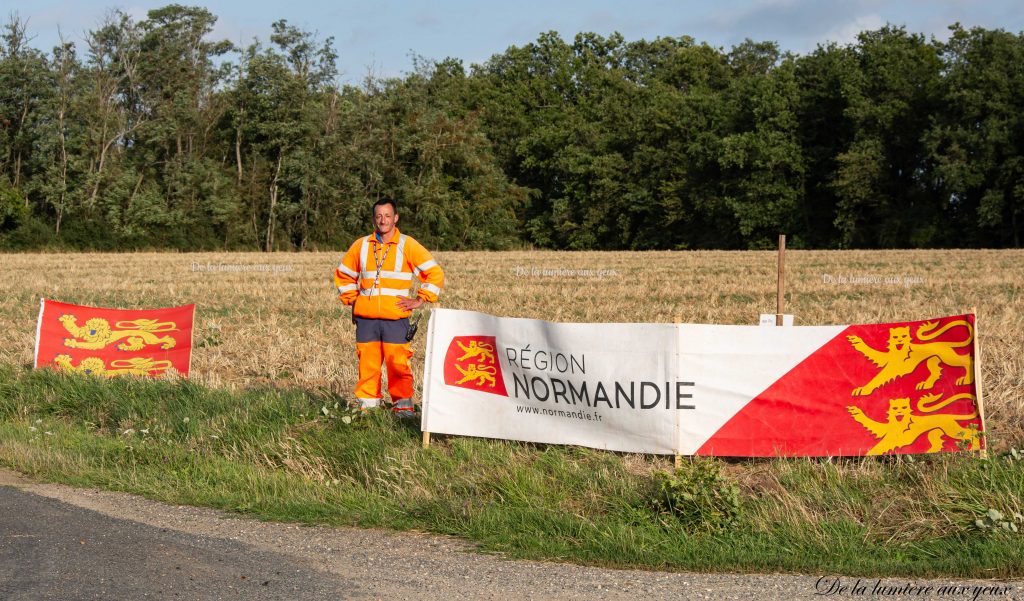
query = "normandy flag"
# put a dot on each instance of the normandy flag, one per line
(114, 342)
(692, 389)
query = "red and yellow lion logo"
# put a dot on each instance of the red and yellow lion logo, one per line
(900, 371)
(472, 362)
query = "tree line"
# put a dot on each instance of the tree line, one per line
(150, 135)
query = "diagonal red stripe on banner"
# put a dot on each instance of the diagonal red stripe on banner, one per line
(805, 412)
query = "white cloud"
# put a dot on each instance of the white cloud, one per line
(239, 31)
(847, 32)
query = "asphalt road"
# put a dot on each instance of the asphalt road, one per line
(53, 550)
(69, 544)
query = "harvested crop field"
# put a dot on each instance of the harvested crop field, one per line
(273, 319)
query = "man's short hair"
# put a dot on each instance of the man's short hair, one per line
(386, 201)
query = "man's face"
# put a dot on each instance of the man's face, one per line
(384, 219)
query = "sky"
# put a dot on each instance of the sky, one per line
(380, 37)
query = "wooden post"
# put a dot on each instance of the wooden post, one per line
(977, 387)
(428, 361)
(781, 292)
(678, 458)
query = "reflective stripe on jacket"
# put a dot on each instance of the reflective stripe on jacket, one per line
(402, 259)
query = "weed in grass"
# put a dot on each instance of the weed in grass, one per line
(698, 495)
(995, 521)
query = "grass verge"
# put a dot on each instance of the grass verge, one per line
(303, 456)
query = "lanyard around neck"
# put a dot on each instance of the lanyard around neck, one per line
(379, 262)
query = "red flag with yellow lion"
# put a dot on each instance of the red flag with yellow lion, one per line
(114, 342)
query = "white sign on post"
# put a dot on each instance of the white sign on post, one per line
(768, 319)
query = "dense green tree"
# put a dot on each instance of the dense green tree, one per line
(528, 104)
(977, 140)
(678, 120)
(402, 142)
(760, 156)
(61, 140)
(109, 113)
(281, 119)
(885, 197)
(25, 85)
(824, 133)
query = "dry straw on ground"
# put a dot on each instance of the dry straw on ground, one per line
(274, 319)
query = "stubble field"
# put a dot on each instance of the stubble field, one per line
(273, 319)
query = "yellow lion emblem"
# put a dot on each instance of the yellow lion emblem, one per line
(480, 373)
(477, 349)
(903, 355)
(97, 333)
(902, 426)
(140, 366)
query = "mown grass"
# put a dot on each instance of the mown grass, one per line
(301, 455)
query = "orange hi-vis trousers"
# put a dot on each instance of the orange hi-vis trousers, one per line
(382, 342)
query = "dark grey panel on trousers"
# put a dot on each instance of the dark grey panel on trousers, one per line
(392, 331)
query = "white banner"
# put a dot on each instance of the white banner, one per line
(649, 388)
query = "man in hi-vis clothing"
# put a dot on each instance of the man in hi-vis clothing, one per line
(376, 274)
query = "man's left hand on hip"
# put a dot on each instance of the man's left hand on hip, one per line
(408, 304)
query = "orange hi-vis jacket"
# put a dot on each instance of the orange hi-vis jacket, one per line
(376, 295)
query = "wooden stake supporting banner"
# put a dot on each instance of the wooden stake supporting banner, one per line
(781, 293)
(678, 458)
(428, 362)
(983, 448)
